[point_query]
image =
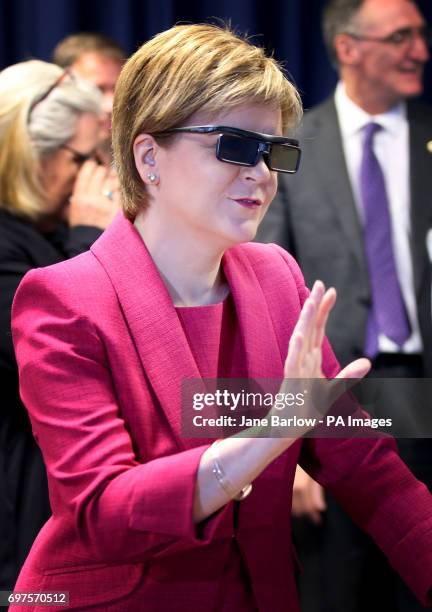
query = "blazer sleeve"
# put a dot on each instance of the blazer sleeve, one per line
(374, 486)
(122, 510)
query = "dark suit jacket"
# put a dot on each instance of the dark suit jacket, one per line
(23, 488)
(315, 218)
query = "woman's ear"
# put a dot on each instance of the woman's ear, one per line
(145, 152)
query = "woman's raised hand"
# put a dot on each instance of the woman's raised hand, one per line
(304, 359)
(303, 365)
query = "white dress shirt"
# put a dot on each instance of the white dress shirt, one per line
(391, 146)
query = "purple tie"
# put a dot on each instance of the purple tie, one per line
(388, 314)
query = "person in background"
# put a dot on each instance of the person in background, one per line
(55, 200)
(360, 225)
(144, 517)
(99, 59)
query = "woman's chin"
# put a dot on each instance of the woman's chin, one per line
(246, 232)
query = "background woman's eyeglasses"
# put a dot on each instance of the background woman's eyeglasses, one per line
(245, 148)
(80, 158)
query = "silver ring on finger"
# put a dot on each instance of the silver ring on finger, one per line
(108, 193)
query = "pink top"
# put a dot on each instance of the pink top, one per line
(213, 336)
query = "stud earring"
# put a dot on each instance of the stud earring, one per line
(151, 177)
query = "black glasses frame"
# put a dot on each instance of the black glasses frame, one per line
(78, 157)
(265, 142)
(399, 37)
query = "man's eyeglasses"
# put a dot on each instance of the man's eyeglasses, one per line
(399, 38)
(245, 148)
(44, 96)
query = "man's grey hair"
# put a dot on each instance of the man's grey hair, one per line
(339, 16)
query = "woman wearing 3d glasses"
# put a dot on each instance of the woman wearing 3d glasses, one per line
(144, 518)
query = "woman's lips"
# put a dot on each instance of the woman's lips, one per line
(248, 202)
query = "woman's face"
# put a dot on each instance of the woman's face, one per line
(60, 169)
(200, 198)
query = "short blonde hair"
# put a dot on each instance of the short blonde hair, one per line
(181, 71)
(29, 131)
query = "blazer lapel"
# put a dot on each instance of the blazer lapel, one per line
(150, 315)
(332, 174)
(262, 352)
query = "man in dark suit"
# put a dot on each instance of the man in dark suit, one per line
(327, 217)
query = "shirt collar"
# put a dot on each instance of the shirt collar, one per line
(352, 118)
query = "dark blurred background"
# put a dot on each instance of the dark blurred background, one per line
(31, 28)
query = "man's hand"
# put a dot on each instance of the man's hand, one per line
(308, 497)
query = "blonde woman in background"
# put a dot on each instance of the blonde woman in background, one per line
(51, 207)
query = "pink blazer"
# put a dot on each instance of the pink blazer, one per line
(101, 355)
